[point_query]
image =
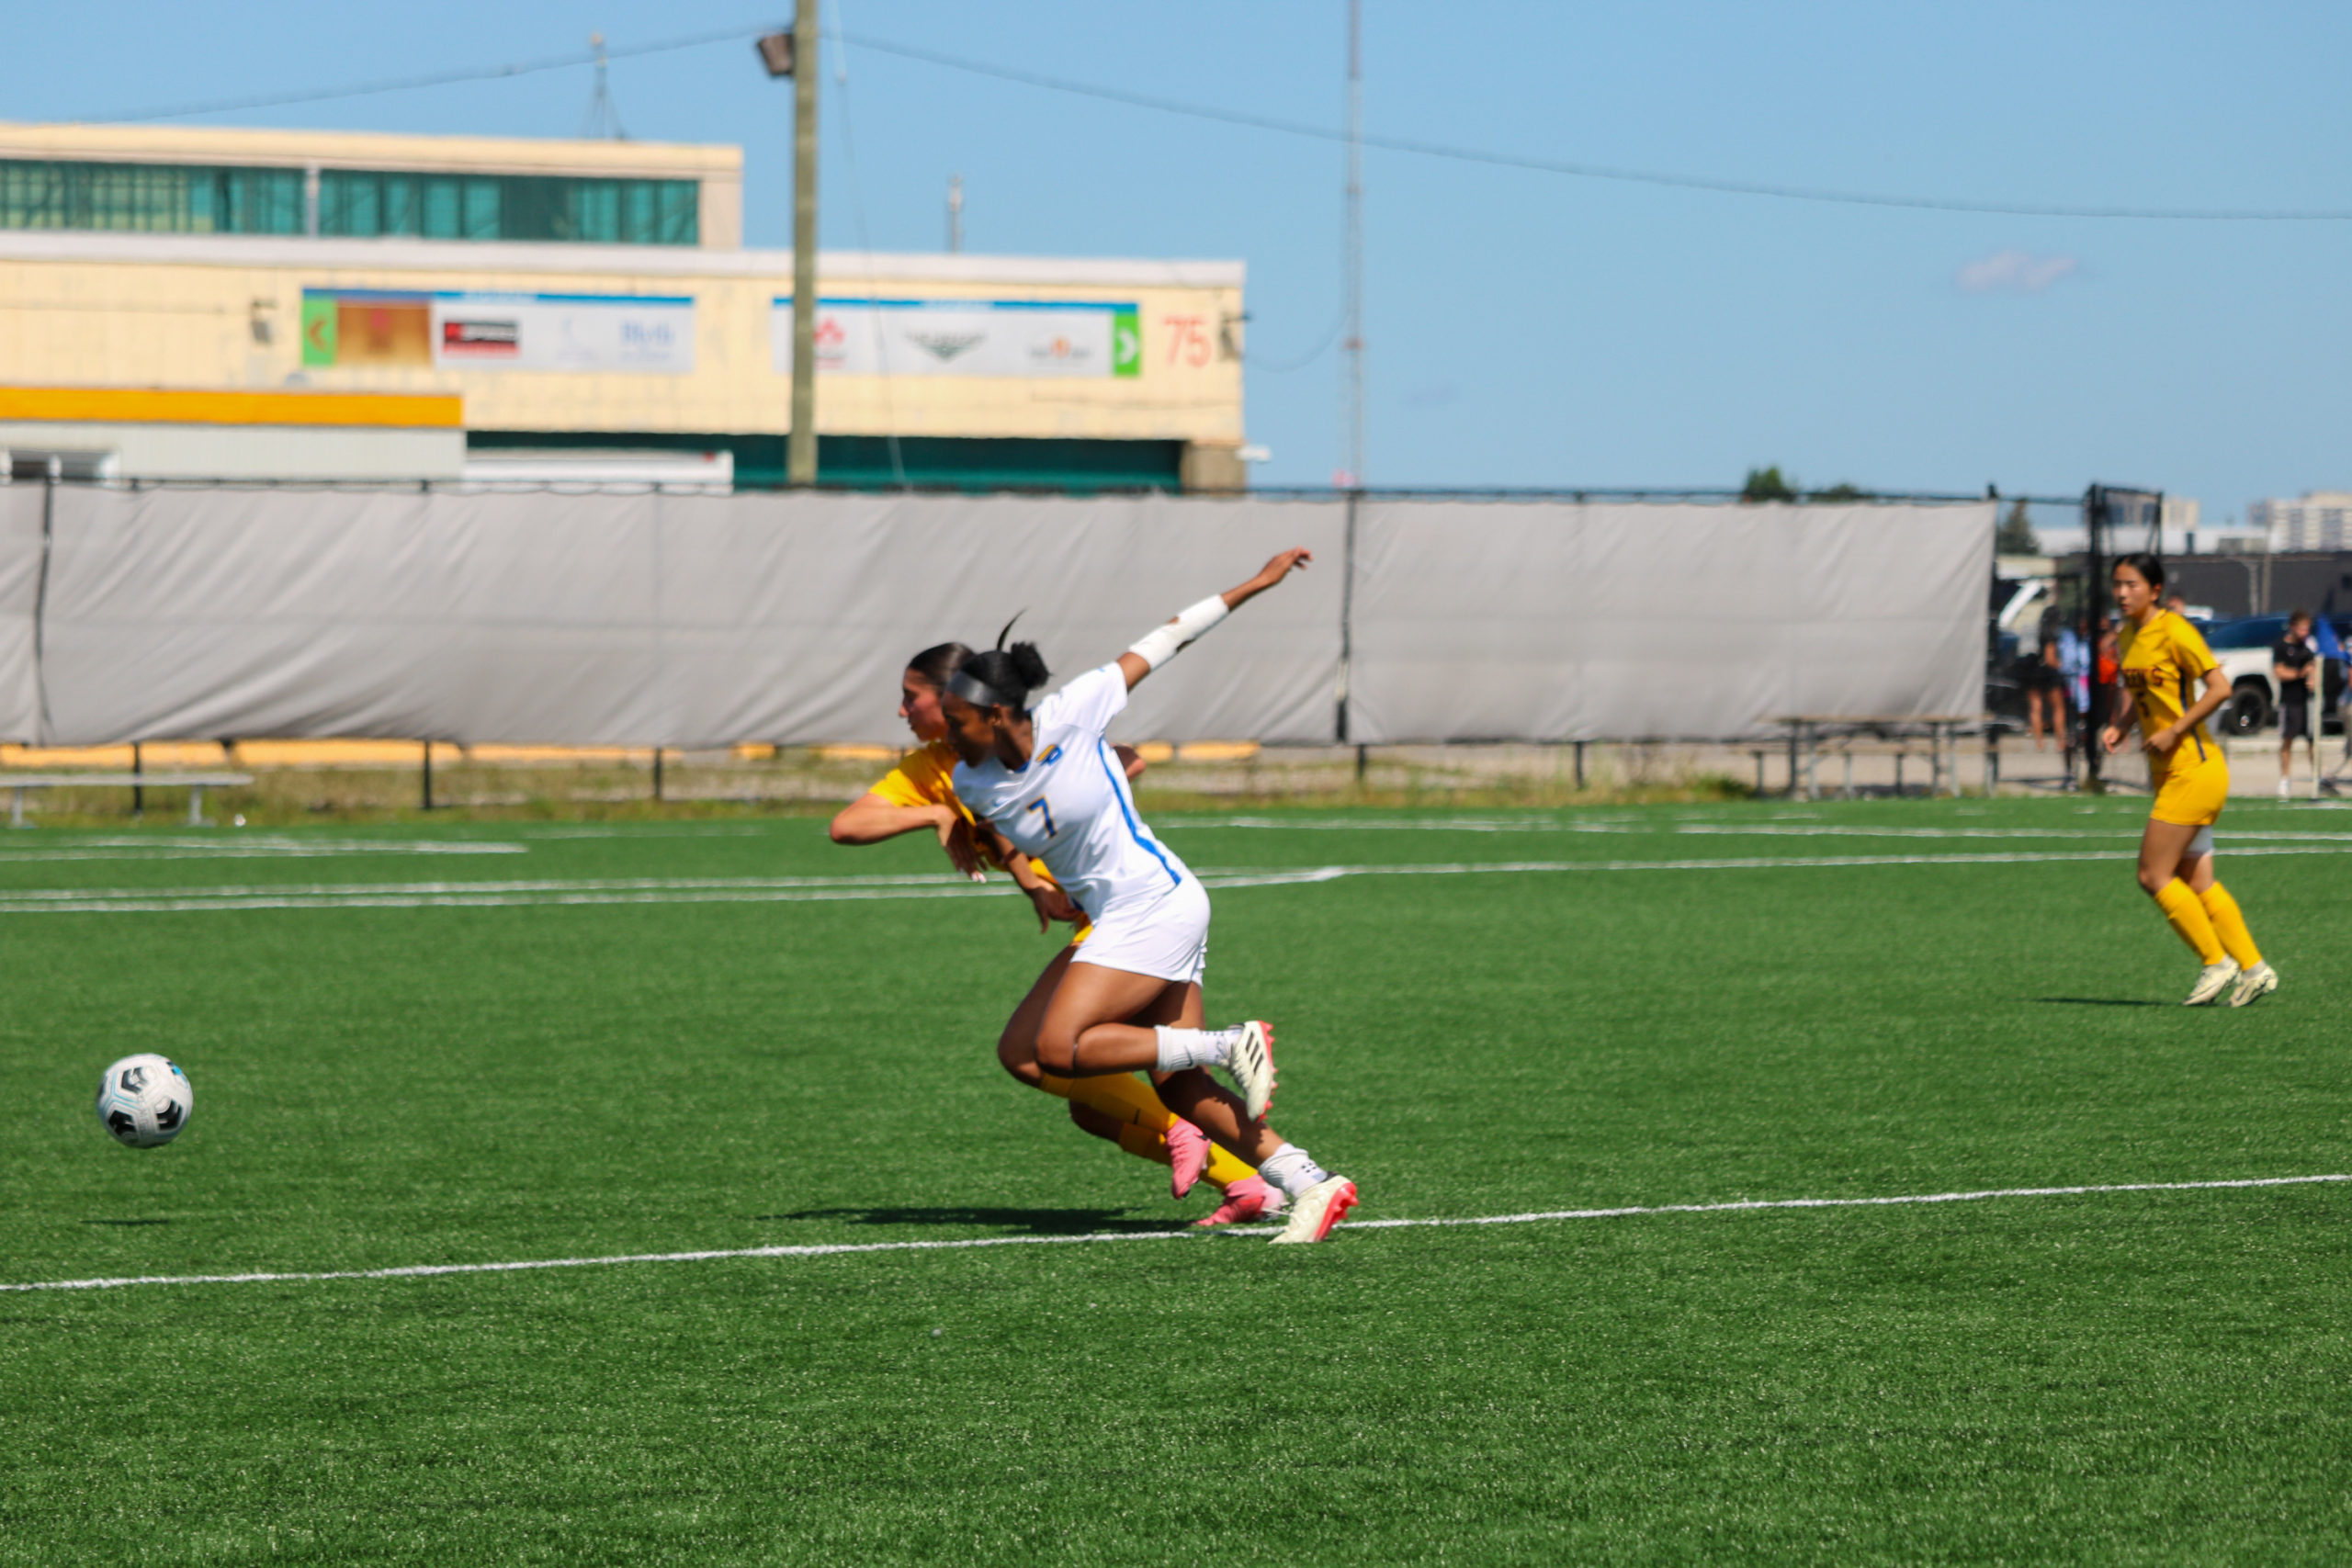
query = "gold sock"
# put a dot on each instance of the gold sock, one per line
(1121, 1096)
(1143, 1144)
(2230, 925)
(2187, 916)
(1226, 1168)
(1131, 1098)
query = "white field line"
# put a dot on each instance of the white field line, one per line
(1421, 824)
(1741, 829)
(835, 1249)
(1731, 830)
(247, 847)
(818, 889)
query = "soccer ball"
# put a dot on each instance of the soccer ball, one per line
(144, 1100)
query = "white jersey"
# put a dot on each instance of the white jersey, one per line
(1070, 807)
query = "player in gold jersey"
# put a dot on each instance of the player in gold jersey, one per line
(919, 795)
(2171, 683)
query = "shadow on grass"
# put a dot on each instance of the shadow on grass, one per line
(1035, 1221)
(2100, 1003)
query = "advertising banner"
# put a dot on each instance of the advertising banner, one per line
(634, 333)
(1025, 338)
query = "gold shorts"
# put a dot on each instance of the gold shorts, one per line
(2193, 796)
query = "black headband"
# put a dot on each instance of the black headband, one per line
(980, 695)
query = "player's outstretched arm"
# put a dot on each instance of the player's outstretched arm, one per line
(1161, 645)
(871, 818)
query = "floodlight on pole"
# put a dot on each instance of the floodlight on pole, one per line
(794, 54)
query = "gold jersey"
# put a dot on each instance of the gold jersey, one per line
(926, 776)
(2163, 665)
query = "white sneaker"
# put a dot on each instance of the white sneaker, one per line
(1317, 1209)
(2258, 981)
(2212, 981)
(2285, 792)
(1251, 1063)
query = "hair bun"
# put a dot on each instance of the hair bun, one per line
(1028, 663)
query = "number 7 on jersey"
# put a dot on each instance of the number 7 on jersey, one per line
(1046, 811)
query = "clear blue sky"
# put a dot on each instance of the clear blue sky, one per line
(1528, 328)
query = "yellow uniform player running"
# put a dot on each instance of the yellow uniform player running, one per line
(920, 794)
(2171, 683)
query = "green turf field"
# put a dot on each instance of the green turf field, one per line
(573, 1042)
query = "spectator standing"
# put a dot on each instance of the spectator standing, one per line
(2074, 670)
(2291, 661)
(2045, 680)
(2331, 652)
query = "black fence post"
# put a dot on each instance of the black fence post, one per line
(138, 791)
(1347, 628)
(1580, 764)
(428, 776)
(657, 772)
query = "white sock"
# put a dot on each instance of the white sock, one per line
(1181, 1048)
(1293, 1169)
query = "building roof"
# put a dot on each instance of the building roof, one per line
(370, 149)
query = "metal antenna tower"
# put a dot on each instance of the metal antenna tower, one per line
(1352, 398)
(603, 121)
(954, 214)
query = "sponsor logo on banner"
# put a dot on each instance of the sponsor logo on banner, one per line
(588, 332)
(1020, 338)
(480, 340)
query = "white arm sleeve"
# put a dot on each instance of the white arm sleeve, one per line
(1160, 645)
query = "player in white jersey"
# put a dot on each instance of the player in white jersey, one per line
(1042, 775)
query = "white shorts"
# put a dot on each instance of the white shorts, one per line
(1166, 937)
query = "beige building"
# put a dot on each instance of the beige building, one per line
(214, 304)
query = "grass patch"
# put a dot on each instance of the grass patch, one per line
(2128, 1378)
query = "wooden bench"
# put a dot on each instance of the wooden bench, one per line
(194, 784)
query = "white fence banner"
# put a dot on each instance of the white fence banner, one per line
(176, 614)
(636, 620)
(20, 510)
(1545, 621)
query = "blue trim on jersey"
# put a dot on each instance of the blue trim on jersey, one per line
(1118, 788)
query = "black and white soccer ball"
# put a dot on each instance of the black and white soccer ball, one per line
(144, 1100)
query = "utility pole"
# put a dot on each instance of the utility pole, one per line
(1351, 399)
(794, 54)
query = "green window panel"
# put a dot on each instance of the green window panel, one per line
(157, 199)
(176, 199)
(368, 203)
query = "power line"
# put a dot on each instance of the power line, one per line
(433, 79)
(1280, 127)
(1601, 171)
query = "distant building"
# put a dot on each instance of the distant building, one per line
(2182, 529)
(2320, 520)
(205, 303)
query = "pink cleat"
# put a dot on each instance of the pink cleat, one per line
(1188, 1155)
(1247, 1199)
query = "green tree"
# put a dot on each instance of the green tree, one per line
(2015, 535)
(1765, 484)
(1844, 489)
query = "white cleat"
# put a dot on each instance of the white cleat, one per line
(2258, 981)
(1317, 1209)
(2212, 981)
(1251, 1064)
